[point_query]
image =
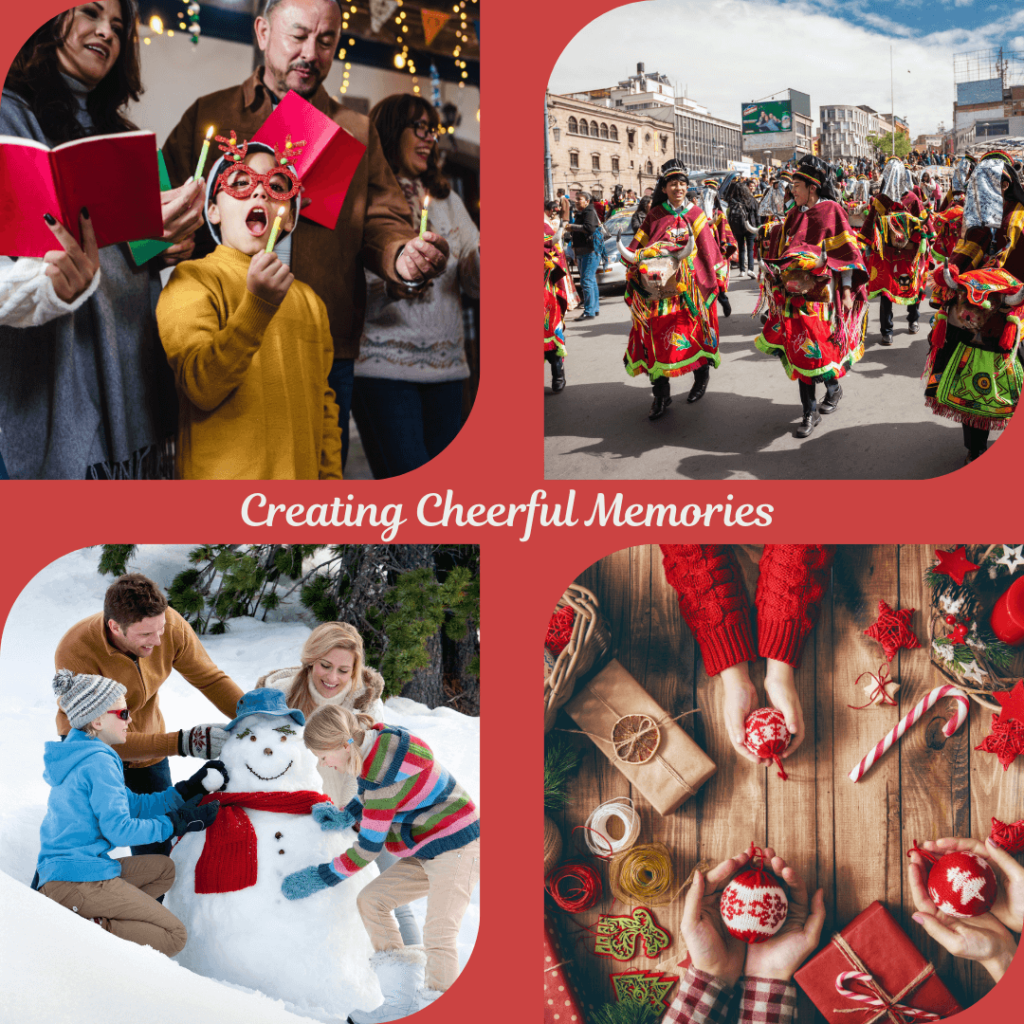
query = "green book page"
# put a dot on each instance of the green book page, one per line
(145, 249)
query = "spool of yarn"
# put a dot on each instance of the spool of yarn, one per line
(574, 887)
(643, 876)
(600, 826)
(552, 845)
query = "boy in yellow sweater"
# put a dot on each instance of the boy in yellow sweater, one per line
(250, 347)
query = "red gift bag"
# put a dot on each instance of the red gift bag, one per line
(561, 1005)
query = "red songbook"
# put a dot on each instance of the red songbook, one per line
(874, 944)
(114, 176)
(326, 163)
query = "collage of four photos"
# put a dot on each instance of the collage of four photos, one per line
(758, 520)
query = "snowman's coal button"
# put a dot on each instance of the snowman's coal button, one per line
(280, 851)
(277, 835)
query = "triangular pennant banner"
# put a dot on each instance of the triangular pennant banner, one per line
(433, 22)
(380, 11)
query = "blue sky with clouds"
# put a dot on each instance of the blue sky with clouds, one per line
(723, 53)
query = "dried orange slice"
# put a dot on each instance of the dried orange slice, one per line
(635, 738)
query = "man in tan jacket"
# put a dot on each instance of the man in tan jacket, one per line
(299, 39)
(137, 640)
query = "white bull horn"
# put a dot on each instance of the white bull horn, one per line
(627, 256)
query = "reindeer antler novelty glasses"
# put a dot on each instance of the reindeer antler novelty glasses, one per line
(241, 181)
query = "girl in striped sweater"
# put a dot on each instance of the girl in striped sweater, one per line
(410, 805)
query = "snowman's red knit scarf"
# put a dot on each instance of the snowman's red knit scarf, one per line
(228, 860)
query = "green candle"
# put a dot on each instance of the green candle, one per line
(423, 216)
(272, 240)
(201, 166)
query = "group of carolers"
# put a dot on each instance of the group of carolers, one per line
(818, 274)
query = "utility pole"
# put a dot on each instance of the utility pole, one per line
(549, 185)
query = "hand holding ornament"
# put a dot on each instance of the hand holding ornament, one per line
(781, 955)
(740, 699)
(983, 938)
(780, 688)
(712, 949)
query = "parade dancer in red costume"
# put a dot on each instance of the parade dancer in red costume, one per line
(817, 275)
(675, 273)
(973, 370)
(895, 235)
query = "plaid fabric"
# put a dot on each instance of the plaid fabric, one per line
(767, 1001)
(701, 999)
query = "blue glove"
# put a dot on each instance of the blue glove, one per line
(330, 818)
(300, 884)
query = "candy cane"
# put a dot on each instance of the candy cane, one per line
(916, 712)
(906, 1011)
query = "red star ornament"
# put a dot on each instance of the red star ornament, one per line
(892, 630)
(1012, 703)
(1006, 740)
(955, 564)
(1008, 837)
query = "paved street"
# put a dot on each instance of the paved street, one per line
(742, 429)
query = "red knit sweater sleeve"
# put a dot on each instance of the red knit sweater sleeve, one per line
(792, 581)
(713, 601)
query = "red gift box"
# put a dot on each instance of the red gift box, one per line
(561, 1006)
(873, 944)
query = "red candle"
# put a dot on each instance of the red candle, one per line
(1008, 614)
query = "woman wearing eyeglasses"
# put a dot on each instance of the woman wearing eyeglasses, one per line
(407, 397)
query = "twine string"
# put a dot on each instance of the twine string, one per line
(574, 887)
(878, 693)
(622, 808)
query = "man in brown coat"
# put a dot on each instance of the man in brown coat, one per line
(299, 39)
(136, 641)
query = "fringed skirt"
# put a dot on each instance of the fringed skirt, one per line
(975, 386)
(811, 343)
(671, 336)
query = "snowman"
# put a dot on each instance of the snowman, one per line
(313, 953)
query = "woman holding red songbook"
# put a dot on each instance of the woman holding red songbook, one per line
(85, 392)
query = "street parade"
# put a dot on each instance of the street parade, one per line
(885, 276)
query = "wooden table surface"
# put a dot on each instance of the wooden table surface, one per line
(850, 839)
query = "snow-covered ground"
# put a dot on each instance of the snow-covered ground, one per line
(54, 965)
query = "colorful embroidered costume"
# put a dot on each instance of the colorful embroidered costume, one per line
(895, 238)
(555, 297)
(973, 369)
(675, 331)
(807, 256)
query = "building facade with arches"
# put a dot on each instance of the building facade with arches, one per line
(596, 147)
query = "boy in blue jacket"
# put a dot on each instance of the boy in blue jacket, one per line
(90, 812)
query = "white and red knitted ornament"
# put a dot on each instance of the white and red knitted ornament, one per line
(754, 905)
(960, 884)
(767, 735)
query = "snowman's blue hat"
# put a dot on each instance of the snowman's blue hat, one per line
(264, 701)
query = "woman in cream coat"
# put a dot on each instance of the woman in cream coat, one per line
(333, 672)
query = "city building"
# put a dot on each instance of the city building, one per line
(989, 93)
(775, 131)
(702, 141)
(595, 146)
(845, 130)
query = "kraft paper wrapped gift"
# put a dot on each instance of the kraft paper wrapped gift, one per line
(873, 943)
(678, 768)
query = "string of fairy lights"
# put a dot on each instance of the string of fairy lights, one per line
(434, 21)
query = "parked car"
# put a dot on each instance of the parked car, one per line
(613, 274)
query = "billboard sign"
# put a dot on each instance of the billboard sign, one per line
(767, 118)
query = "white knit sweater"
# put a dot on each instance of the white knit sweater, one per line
(420, 338)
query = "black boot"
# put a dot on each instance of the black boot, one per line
(811, 415)
(700, 383)
(662, 398)
(833, 393)
(557, 374)
(723, 301)
(975, 441)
